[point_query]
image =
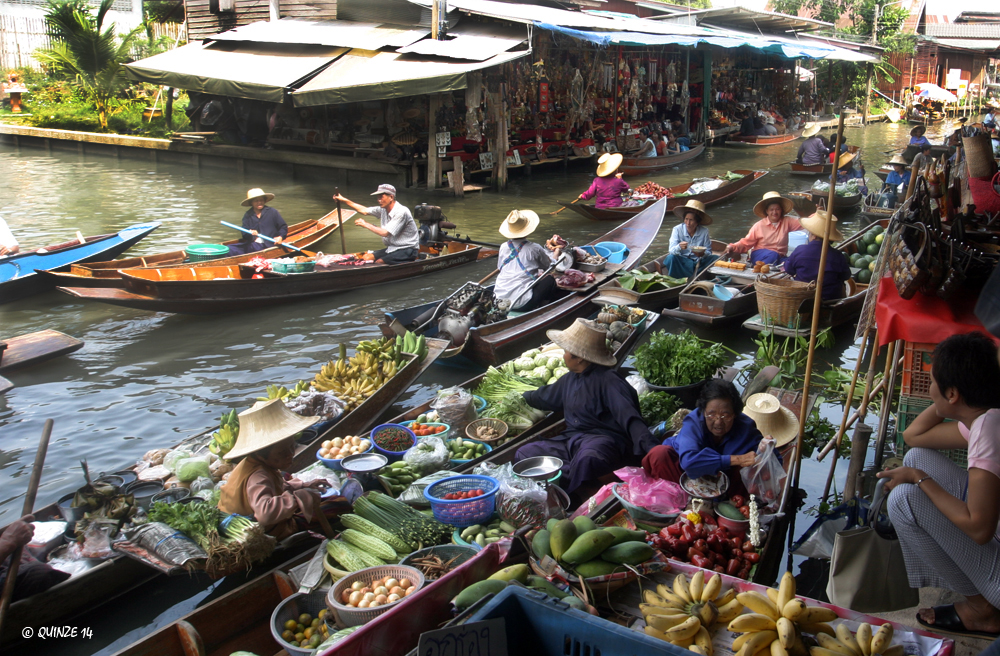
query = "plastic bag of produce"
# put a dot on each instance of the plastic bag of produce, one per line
(189, 469)
(428, 455)
(765, 477)
(157, 473)
(171, 459)
(414, 495)
(167, 544)
(201, 483)
(520, 501)
(455, 407)
(650, 493)
(315, 403)
(638, 383)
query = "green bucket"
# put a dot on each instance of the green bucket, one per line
(205, 252)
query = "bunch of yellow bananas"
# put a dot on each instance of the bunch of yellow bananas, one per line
(356, 378)
(685, 615)
(862, 643)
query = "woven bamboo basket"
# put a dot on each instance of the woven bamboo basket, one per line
(599, 589)
(778, 299)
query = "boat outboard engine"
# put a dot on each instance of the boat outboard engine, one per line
(433, 223)
(472, 305)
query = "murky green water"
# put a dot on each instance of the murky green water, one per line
(147, 380)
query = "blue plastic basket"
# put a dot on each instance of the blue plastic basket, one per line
(463, 512)
(336, 464)
(391, 455)
(597, 250)
(538, 624)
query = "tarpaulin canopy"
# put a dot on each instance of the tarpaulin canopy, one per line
(472, 41)
(259, 72)
(325, 33)
(925, 319)
(363, 75)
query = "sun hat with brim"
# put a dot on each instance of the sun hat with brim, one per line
(772, 418)
(897, 159)
(584, 340)
(845, 159)
(519, 224)
(918, 131)
(811, 129)
(608, 164)
(816, 224)
(760, 209)
(257, 193)
(265, 424)
(698, 208)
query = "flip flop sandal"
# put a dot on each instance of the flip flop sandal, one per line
(946, 620)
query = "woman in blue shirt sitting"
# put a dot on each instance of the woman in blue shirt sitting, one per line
(898, 179)
(917, 137)
(683, 260)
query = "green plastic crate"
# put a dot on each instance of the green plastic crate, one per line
(909, 408)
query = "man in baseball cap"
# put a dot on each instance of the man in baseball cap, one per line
(397, 228)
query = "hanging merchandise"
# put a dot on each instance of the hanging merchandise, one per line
(473, 98)
(544, 101)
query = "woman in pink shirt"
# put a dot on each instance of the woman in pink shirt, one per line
(947, 516)
(606, 187)
(767, 240)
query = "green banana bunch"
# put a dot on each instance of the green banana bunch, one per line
(413, 343)
(283, 393)
(224, 439)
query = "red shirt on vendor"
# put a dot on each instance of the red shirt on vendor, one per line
(606, 187)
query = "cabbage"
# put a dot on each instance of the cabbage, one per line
(530, 354)
(554, 363)
(542, 360)
(524, 364)
(560, 372)
(191, 468)
(541, 373)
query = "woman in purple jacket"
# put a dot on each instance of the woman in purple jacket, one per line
(606, 187)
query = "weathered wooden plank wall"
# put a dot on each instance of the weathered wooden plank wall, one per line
(202, 22)
(20, 36)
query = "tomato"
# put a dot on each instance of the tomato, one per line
(737, 500)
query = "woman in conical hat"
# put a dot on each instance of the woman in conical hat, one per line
(256, 487)
(608, 186)
(803, 263)
(260, 219)
(604, 428)
(767, 240)
(690, 245)
(917, 137)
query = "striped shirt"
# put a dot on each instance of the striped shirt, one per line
(400, 225)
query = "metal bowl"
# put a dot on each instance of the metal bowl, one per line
(539, 468)
(685, 483)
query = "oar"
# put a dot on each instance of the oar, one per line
(29, 505)
(340, 221)
(266, 238)
(563, 207)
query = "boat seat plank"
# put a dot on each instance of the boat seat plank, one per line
(36, 347)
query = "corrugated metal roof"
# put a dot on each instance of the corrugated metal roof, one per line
(326, 33)
(964, 30)
(744, 18)
(985, 45)
(476, 42)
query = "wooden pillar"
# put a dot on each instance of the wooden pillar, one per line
(433, 163)
(168, 111)
(498, 116)
(458, 176)
(706, 93)
(829, 87)
(868, 95)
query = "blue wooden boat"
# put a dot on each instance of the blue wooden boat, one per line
(18, 277)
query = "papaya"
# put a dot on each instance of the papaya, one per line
(540, 544)
(477, 591)
(588, 546)
(561, 537)
(551, 524)
(584, 524)
(598, 567)
(513, 573)
(625, 535)
(628, 553)
(542, 584)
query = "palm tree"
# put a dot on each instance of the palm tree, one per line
(88, 52)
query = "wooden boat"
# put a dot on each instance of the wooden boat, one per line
(819, 169)
(643, 165)
(919, 120)
(656, 300)
(107, 274)
(214, 289)
(871, 210)
(713, 197)
(937, 152)
(32, 348)
(119, 574)
(18, 276)
(806, 202)
(762, 140)
(497, 342)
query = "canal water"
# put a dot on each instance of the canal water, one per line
(147, 380)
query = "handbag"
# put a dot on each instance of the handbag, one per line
(955, 277)
(906, 259)
(867, 572)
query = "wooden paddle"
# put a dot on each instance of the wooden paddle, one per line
(563, 207)
(270, 239)
(29, 505)
(340, 223)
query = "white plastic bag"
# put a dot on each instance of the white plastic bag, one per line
(455, 407)
(428, 455)
(765, 478)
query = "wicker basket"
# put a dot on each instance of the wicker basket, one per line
(289, 609)
(979, 155)
(496, 424)
(350, 616)
(598, 589)
(778, 299)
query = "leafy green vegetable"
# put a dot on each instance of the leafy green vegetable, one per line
(658, 406)
(514, 411)
(198, 521)
(497, 382)
(676, 360)
(643, 282)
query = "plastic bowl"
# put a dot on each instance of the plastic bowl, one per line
(737, 529)
(465, 439)
(391, 455)
(480, 403)
(335, 464)
(443, 434)
(291, 608)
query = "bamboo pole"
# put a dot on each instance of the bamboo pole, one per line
(891, 368)
(847, 408)
(818, 298)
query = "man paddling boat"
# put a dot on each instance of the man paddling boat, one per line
(396, 226)
(259, 220)
(8, 243)
(33, 576)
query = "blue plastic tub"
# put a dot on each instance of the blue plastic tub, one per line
(393, 456)
(538, 624)
(617, 252)
(598, 250)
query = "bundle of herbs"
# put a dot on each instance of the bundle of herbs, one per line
(498, 382)
(677, 360)
(658, 406)
(642, 281)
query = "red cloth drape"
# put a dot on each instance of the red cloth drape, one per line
(923, 319)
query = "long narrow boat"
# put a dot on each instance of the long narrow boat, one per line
(497, 342)
(713, 197)
(871, 209)
(763, 140)
(118, 575)
(214, 289)
(819, 169)
(643, 165)
(656, 300)
(18, 277)
(108, 273)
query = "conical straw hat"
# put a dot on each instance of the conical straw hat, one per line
(267, 423)
(698, 208)
(257, 193)
(772, 418)
(811, 129)
(816, 224)
(608, 164)
(760, 208)
(584, 340)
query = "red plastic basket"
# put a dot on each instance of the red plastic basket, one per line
(917, 369)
